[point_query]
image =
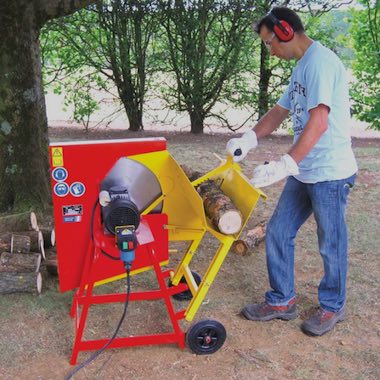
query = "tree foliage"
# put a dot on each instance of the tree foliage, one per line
(365, 91)
(105, 47)
(204, 41)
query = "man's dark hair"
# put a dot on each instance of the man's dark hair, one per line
(281, 13)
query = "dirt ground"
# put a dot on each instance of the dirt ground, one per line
(36, 332)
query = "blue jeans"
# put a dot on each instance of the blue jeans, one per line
(327, 201)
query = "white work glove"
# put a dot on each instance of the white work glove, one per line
(274, 171)
(240, 146)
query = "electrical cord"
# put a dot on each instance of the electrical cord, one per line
(97, 353)
(92, 231)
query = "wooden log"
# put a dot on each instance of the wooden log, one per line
(18, 222)
(36, 239)
(19, 262)
(249, 240)
(5, 241)
(20, 244)
(29, 282)
(51, 261)
(219, 208)
(48, 235)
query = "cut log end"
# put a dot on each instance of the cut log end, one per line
(42, 248)
(52, 237)
(240, 248)
(33, 221)
(249, 240)
(230, 222)
(39, 283)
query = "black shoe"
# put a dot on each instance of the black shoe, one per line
(265, 312)
(322, 322)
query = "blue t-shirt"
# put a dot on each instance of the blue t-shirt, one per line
(320, 78)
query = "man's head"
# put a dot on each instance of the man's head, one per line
(279, 29)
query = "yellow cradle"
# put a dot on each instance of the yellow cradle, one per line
(186, 215)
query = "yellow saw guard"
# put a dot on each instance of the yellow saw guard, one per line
(186, 215)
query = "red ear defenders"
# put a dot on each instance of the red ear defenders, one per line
(281, 29)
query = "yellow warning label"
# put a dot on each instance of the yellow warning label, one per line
(57, 156)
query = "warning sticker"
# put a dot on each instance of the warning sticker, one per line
(72, 210)
(57, 156)
(72, 213)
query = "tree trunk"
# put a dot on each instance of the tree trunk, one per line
(265, 74)
(197, 118)
(24, 166)
(30, 282)
(135, 120)
(24, 163)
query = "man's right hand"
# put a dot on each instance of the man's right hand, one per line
(239, 147)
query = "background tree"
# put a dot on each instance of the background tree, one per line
(365, 91)
(24, 165)
(204, 42)
(106, 45)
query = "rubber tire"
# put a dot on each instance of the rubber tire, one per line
(186, 294)
(206, 337)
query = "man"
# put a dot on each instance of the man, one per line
(320, 167)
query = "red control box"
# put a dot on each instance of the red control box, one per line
(77, 170)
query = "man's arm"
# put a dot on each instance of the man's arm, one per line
(314, 129)
(239, 147)
(270, 121)
(265, 175)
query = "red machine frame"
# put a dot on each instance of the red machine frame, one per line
(84, 297)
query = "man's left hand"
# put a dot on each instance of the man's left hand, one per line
(274, 171)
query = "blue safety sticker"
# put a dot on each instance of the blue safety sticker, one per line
(61, 189)
(60, 174)
(77, 189)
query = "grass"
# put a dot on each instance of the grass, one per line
(36, 333)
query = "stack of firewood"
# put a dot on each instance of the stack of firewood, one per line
(22, 253)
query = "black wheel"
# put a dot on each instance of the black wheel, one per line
(186, 294)
(206, 337)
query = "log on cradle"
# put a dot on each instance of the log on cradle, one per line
(191, 174)
(20, 244)
(30, 282)
(18, 222)
(19, 262)
(219, 208)
(249, 240)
